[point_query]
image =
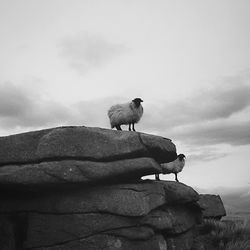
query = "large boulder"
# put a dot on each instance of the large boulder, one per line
(133, 199)
(179, 193)
(69, 172)
(173, 219)
(84, 143)
(212, 206)
(117, 216)
(68, 227)
(81, 188)
(71, 155)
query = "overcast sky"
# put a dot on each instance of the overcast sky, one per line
(66, 62)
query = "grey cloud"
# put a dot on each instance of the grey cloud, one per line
(217, 103)
(85, 52)
(209, 117)
(13, 101)
(227, 97)
(26, 109)
(223, 101)
(94, 112)
(206, 154)
(223, 132)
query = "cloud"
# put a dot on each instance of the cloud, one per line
(13, 101)
(216, 115)
(27, 108)
(85, 52)
(205, 154)
(95, 112)
(216, 103)
(211, 133)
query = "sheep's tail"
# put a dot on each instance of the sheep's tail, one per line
(110, 114)
(116, 115)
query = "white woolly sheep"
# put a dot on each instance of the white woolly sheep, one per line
(173, 167)
(126, 113)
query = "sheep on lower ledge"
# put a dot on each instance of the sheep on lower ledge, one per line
(174, 167)
(126, 113)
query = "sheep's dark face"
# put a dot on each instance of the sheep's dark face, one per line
(181, 157)
(137, 102)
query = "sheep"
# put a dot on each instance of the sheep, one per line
(173, 167)
(127, 113)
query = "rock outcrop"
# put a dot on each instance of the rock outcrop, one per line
(212, 206)
(80, 188)
(80, 155)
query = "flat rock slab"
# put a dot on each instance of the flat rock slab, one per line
(212, 206)
(179, 193)
(50, 229)
(174, 219)
(85, 143)
(132, 199)
(65, 172)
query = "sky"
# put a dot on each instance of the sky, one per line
(66, 62)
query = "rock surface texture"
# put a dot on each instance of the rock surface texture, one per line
(212, 206)
(74, 188)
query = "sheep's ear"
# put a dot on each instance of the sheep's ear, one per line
(137, 100)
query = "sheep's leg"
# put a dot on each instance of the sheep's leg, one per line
(118, 127)
(157, 177)
(129, 127)
(176, 177)
(133, 126)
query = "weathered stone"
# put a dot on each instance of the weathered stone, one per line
(182, 241)
(179, 193)
(7, 234)
(50, 229)
(159, 148)
(212, 206)
(65, 172)
(173, 219)
(74, 188)
(109, 242)
(136, 199)
(122, 199)
(12, 231)
(83, 143)
(134, 233)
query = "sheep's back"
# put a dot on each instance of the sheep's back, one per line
(119, 114)
(168, 168)
(173, 167)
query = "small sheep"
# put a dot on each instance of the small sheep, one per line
(127, 114)
(173, 167)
